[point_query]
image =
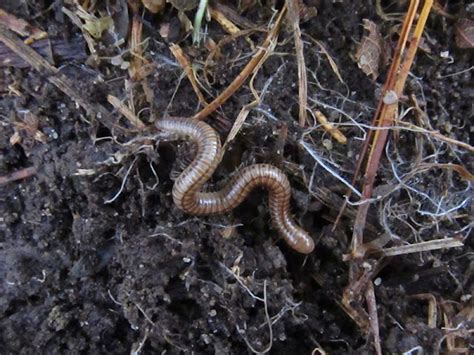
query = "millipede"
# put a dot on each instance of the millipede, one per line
(188, 197)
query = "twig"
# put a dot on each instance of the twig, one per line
(233, 15)
(227, 25)
(136, 47)
(17, 175)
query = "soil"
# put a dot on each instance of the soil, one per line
(95, 258)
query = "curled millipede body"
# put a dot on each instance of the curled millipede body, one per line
(187, 194)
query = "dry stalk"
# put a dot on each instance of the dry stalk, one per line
(330, 128)
(432, 307)
(385, 116)
(226, 24)
(420, 247)
(387, 112)
(136, 48)
(294, 18)
(388, 86)
(373, 318)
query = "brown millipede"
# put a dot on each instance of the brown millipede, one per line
(187, 194)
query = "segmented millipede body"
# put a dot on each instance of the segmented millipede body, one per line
(187, 194)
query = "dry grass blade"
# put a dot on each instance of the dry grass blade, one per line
(77, 21)
(331, 61)
(126, 112)
(294, 18)
(373, 317)
(432, 307)
(250, 68)
(436, 135)
(239, 122)
(421, 247)
(188, 69)
(461, 170)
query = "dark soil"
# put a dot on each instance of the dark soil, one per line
(80, 273)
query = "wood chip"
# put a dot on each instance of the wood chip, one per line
(330, 128)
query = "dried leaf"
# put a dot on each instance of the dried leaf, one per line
(465, 33)
(369, 52)
(154, 6)
(332, 63)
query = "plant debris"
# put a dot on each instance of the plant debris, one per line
(94, 255)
